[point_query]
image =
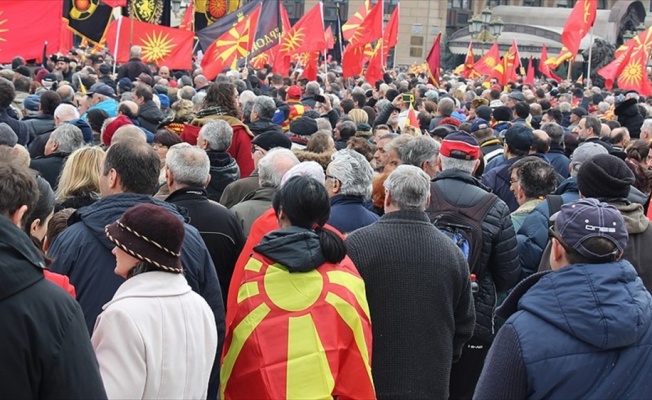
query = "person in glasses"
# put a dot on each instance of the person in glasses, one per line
(582, 330)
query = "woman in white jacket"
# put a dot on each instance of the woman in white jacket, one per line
(156, 338)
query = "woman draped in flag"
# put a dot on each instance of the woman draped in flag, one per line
(301, 326)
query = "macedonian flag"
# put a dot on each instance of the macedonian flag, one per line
(300, 335)
(486, 64)
(26, 26)
(162, 45)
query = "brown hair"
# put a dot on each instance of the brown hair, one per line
(17, 188)
(221, 95)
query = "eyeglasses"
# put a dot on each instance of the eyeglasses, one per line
(331, 177)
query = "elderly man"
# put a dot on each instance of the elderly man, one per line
(215, 138)
(619, 138)
(418, 289)
(63, 141)
(262, 112)
(422, 152)
(556, 154)
(102, 98)
(532, 179)
(271, 169)
(592, 309)
(135, 66)
(348, 182)
(457, 195)
(380, 156)
(187, 174)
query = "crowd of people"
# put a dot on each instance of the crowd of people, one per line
(269, 236)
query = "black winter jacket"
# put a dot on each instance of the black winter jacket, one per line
(45, 347)
(224, 170)
(630, 117)
(150, 116)
(498, 260)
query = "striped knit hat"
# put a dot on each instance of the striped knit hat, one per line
(151, 234)
(460, 145)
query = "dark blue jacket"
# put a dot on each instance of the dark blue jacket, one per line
(532, 236)
(498, 180)
(596, 321)
(348, 213)
(559, 161)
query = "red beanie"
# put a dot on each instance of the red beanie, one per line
(113, 126)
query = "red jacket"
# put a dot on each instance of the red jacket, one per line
(60, 280)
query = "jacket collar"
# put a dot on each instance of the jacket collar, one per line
(151, 284)
(460, 176)
(342, 199)
(411, 215)
(263, 193)
(187, 193)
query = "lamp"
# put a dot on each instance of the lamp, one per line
(176, 6)
(485, 29)
(486, 15)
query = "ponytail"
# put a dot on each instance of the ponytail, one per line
(332, 246)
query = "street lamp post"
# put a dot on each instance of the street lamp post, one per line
(485, 29)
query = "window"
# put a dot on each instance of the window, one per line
(532, 3)
(416, 46)
(295, 9)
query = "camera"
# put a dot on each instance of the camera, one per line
(408, 98)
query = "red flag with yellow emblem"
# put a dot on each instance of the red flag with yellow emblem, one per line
(564, 55)
(412, 119)
(371, 28)
(25, 26)
(162, 45)
(374, 70)
(305, 36)
(642, 43)
(506, 69)
(468, 70)
(579, 22)
(188, 20)
(544, 69)
(303, 335)
(351, 26)
(486, 64)
(434, 61)
(234, 44)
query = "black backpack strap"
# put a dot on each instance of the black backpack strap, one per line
(555, 202)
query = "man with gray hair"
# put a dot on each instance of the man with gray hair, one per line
(348, 182)
(422, 152)
(63, 141)
(187, 171)
(556, 154)
(445, 109)
(135, 66)
(457, 197)
(215, 138)
(646, 129)
(312, 90)
(271, 169)
(262, 112)
(418, 289)
(7, 136)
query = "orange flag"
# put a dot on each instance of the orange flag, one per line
(529, 78)
(305, 36)
(486, 64)
(375, 68)
(543, 66)
(162, 45)
(506, 69)
(234, 44)
(189, 17)
(579, 22)
(412, 119)
(434, 61)
(351, 26)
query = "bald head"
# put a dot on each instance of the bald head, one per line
(541, 143)
(605, 131)
(64, 113)
(66, 93)
(128, 108)
(128, 132)
(164, 72)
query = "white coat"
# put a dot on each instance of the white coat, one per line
(155, 339)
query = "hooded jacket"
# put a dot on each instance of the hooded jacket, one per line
(596, 320)
(224, 170)
(150, 116)
(45, 346)
(630, 117)
(315, 313)
(639, 250)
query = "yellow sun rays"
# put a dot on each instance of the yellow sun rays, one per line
(157, 46)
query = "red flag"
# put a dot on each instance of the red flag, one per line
(641, 43)
(189, 17)
(162, 45)
(303, 36)
(351, 26)
(544, 68)
(412, 119)
(374, 68)
(506, 69)
(529, 78)
(266, 57)
(25, 26)
(285, 18)
(467, 68)
(434, 61)
(564, 55)
(115, 3)
(330, 40)
(309, 61)
(352, 61)
(65, 38)
(234, 44)
(371, 28)
(390, 36)
(579, 22)
(486, 64)
(632, 74)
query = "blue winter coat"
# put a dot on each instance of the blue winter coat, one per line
(348, 213)
(581, 332)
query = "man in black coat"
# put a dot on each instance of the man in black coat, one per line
(418, 289)
(62, 142)
(187, 174)
(8, 115)
(149, 115)
(44, 343)
(135, 66)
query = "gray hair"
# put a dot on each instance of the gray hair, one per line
(184, 81)
(647, 125)
(246, 96)
(218, 134)
(419, 150)
(353, 171)
(198, 98)
(564, 107)
(135, 51)
(555, 132)
(7, 135)
(66, 112)
(274, 165)
(188, 164)
(324, 124)
(446, 106)
(398, 144)
(467, 166)
(247, 107)
(265, 107)
(186, 93)
(69, 138)
(603, 106)
(312, 88)
(409, 188)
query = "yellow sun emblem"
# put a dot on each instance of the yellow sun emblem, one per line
(157, 46)
(2, 30)
(490, 61)
(236, 44)
(632, 74)
(293, 41)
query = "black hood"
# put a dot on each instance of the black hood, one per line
(20, 261)
(297, 249)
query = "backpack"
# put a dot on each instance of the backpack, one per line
(555, 201)
(462, 225)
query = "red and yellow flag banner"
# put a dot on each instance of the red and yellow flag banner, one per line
(162, 45)
(306, 35)
(564, 55)
(298, 335)
(529, 78)
(412, 119)
(374, 70)
(579, 22)
(26, 26)
(234, 44)
(351, 26)
(506, 69)
(434, 61)
(543, 67)
(486, 64)
(390, 35)
(630, 66)
(188, 20)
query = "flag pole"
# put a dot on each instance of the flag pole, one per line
(588, 72)
(117, 41)
(339, 31)
(568, 76)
